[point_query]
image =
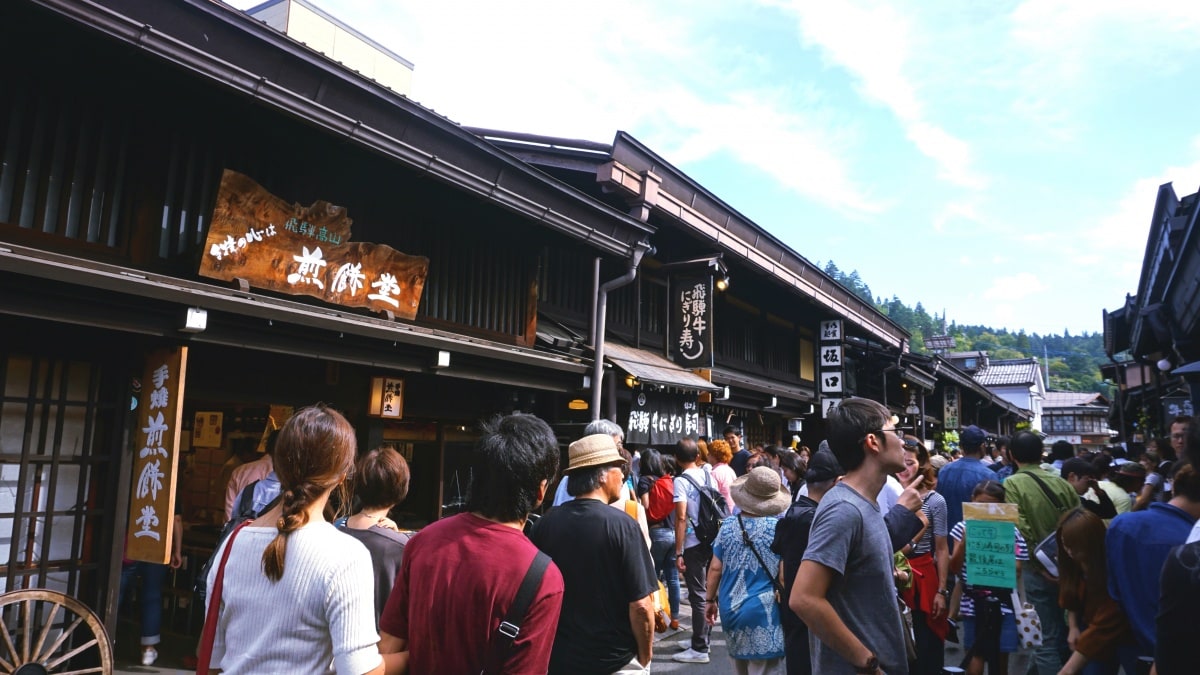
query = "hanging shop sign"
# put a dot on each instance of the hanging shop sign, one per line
(830, 364)
(692, 321)
(155, 465)
(305, 250)
(661, 419)
(950, 407)
(1175, 406)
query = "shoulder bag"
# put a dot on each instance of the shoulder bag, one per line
(749, 544)
(510, 627)
(209, 635)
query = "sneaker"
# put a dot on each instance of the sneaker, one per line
(684, 644)
(149, 656)
(690, 655)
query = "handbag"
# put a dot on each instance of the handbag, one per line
(774, 581)
(209, 635)
(1029, 626)
(662, 606)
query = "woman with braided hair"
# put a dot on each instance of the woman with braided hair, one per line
(298, 595)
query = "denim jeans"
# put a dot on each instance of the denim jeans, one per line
(1043, 595)
(662, 551)
(149, 595)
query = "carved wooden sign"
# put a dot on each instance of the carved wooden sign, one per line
(152, 504)
(301, 250)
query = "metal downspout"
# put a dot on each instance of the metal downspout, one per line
(640, 249)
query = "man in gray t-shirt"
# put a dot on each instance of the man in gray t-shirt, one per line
(849, 537)
(844, 590)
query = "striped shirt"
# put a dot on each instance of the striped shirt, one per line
(966, 606)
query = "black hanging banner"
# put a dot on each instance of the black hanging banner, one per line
(662, 419)
(692, 321)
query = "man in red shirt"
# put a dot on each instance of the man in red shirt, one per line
(459, 575)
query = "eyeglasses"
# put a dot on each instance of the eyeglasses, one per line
(898, 432)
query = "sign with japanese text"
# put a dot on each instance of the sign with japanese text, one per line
(831, 356)
(828, 404)
(305, 250)
(661, 419)
(831, 331)
(950, 407)
(207, 429)
(692, 321)
(155, 465)
(991, 544)
(831, 382)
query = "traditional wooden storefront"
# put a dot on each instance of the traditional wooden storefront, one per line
(769, 303)
(173, 173)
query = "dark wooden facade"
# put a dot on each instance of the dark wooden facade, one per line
(114, 133)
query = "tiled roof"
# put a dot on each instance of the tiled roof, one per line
(1008, 371)
(1068, 399)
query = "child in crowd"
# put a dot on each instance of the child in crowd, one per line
(986, 614)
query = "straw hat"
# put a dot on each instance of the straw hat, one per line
(760, 493)
(593, 450)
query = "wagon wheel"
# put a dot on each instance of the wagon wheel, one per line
(48, 632)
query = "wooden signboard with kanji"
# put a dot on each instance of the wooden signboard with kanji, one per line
(305, 250)
(156, 457)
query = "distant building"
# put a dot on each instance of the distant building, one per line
(1018, 381)
(305, 22)
(1080, 418)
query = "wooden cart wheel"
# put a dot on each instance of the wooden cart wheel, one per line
(48, 632)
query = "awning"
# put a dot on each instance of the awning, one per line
(650, 368)
(763, 385)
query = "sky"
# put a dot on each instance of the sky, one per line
(997, 161)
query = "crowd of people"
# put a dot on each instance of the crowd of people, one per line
(849, 559)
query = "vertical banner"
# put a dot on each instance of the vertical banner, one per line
(155, 464)
(691, 329)
(950, 407)
(991, 542)
(830, 364)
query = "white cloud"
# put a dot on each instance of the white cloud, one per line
(1129, 218)
(875, 45)
(586, 70)
(1014, 287)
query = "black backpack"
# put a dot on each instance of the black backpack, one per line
(243, 511)
(713, 509)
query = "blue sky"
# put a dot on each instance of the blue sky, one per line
(997, 160)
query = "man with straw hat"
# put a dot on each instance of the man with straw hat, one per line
(607, 621)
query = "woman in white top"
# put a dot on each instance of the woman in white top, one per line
(297, 594)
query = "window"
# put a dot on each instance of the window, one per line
(53, 475)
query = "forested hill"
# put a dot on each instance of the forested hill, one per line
(1074, 360)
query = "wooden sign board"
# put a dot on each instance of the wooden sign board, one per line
(155, 463)
(991, 544)
(305, 250)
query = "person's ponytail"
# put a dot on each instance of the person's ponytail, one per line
(314, 453)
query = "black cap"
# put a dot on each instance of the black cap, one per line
(822, 466)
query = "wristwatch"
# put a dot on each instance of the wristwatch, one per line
(870, 667)
(945, 593)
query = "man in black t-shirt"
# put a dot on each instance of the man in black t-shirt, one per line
(791, 538)
(607, 621)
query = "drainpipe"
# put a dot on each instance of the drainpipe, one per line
(640, 249)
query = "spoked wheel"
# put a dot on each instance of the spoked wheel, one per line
(48, 632)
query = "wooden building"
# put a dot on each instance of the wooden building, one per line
(130, 135)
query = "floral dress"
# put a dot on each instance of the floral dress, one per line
(746, 596)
